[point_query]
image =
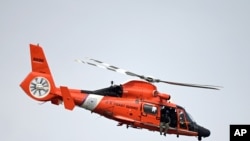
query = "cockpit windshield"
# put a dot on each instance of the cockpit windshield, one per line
(190, 118)
(186, 121)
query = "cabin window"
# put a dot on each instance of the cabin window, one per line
(150, 109)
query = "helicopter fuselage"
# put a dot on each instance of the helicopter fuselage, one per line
(136, 103)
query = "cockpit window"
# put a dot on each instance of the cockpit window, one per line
(182, 119)
(185, 120)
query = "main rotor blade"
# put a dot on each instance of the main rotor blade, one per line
(193, 85)
(100, 64)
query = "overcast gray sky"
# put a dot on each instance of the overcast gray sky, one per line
(195, 41)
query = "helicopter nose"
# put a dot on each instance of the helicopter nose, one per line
(203, 132)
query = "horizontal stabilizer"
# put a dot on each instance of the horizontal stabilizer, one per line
(67, 98)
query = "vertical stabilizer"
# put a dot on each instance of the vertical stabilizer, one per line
(38, 60)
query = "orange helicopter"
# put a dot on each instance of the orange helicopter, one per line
(136, 103)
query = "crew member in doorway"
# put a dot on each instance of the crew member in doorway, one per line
(164, 120)
(167, 121)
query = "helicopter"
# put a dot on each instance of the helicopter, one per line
(136, 103)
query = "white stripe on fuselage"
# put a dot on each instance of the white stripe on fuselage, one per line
(91, 101)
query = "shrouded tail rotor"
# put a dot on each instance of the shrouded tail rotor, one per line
(39, 83)
(39, 87)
